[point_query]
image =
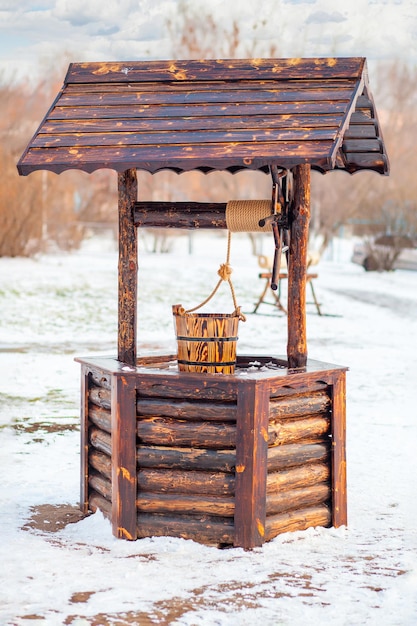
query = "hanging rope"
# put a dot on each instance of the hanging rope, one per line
(225, 272)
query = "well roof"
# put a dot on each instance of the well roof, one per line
(211, 115)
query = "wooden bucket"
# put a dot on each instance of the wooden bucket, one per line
(206, 341)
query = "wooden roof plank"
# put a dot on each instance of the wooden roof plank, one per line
(361, 160)
(195, 110)
(185, 137)
(254, 122)
(224, 156)
(228, 150)
(207, 86)
(360, 131)
(218, 69)
(271, 95)
(362, 145)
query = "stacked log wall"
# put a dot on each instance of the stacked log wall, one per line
(186, 458)
(221, 460)
(100, 443)
(299, 458)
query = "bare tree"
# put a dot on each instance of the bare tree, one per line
(371, 204)
(43, 210)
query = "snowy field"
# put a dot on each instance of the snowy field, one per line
(57, 307)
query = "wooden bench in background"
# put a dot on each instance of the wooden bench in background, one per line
(277, 294)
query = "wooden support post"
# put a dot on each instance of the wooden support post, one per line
(338, 458)
(84, 441)
(128, 267)
(297, 268)
(251, 464)
(123, 444)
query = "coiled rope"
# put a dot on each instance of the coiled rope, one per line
(242, 216)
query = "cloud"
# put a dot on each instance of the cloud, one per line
(106, 31)
(321, 17)
(83, 12)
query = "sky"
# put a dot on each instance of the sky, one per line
(39, 34)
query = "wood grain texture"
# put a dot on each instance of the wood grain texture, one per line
(100, 397)
(301, 519)
(100, 462)
(84, 442)
(186, 482)
(292, 454)
(297, 268)
(123, 451)
(209, 115)
(203, 70)
(97, 501)
(295, 499)
(299, 405)
(190, 387)
(203, 528)
(100, 417)
(127, 269)
(192, 411)
(298, 477)
(100, 440)
(180, 215)
(100, 484)
(338, 457)
(206, 342)
(251, 467)
(186, 458)
(298, 430)
(185, 504)
(160, 431)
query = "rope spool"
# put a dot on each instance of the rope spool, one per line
(242, 216)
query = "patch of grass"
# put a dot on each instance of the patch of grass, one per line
(42, 427)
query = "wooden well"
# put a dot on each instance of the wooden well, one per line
(222, 459)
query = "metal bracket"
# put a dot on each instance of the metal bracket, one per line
(278, 220)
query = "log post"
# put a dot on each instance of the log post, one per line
(338, 455)
(251, 464)
(123, 448)
(180, 215)
(297, 268)
(84, 505)
(128, 267)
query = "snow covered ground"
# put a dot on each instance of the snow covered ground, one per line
(60, 306)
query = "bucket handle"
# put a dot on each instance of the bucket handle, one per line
(225, 272)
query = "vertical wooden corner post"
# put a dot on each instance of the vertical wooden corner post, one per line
(251, 464)
(128, 268)
(84, 442)
(123, 409)
(297, 268)
(339, 487)
(123, 447)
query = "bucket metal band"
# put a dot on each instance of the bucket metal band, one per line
(206, 363)
(205, 339)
